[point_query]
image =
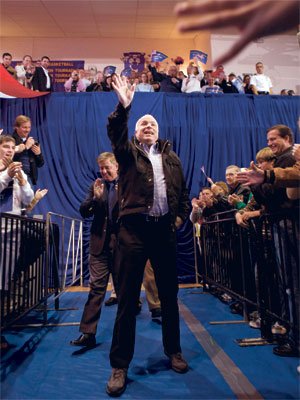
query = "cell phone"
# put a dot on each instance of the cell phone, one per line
(36, 142)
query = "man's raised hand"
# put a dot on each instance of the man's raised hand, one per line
(124, 93)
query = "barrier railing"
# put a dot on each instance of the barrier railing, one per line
(25, 281)
(258, 266)
(38, 259)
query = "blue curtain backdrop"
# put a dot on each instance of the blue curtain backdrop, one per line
(209, 130)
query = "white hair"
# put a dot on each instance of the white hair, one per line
(145, 116)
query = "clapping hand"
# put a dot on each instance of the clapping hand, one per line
(4, 163)
(98, 188)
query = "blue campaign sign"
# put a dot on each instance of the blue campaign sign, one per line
(110, 69)
(158, 56)
(202, 57)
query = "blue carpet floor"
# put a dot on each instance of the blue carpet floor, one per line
(42, 365)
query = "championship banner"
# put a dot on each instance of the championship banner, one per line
(61, 72)
(135, 61)
(202, 57)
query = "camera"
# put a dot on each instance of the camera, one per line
(36, 142)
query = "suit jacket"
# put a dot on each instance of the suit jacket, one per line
(98, 209)
(34, 160)
(39, 80)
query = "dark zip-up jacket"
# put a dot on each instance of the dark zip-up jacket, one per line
(136, 180)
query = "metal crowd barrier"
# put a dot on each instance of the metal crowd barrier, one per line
(25, 281)
(38, 259)
(258, 266)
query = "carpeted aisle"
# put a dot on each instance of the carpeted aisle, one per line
(42, 364)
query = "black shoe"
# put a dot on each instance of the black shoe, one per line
(111, 301)
(117, 382)
(178, 363)
(286, 350)
(156, 313)
(86, 339)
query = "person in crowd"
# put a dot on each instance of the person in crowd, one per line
(246, 84)
(22, 69)
(42, 80)
(144, 86)
(227, 85)
(107, 87)
(101, 203)
(284, 92)
(85, 77)
(275, 200)
(16, 192)
(291, 92)
(206, 76)
(74, 83)
(258, 18)
(153, 83)
(98, 85)
(6, 63)
(211, 87)
(265, 159)
(192, 82)
(261, 83)
(238, 195)
(288, 177)
(28, 150)
(168, 82)
(219, 74)
(148, 170)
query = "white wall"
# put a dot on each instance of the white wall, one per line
(279, 54)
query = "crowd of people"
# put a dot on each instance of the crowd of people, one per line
(140, 201)
(154, 78)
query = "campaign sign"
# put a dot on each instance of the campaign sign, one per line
(158, 56)
(202, 57)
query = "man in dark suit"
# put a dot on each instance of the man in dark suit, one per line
(101, 203)
(28, 150)
(42, 80)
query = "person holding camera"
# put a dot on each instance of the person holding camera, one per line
(74, 83)
(28, 149)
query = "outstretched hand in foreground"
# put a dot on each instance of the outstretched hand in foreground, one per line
(255, 18)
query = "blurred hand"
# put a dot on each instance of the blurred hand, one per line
(13, 168)
(254, 176)
(20, 178)
(29, 143)
(36, 149)
(178, 222)
(296, 151)
(240, 220)
(39, 194)
(98, 188)
(4, 163)
(255, 18)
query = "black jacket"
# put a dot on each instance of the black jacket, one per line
(136, 185)
(98, 209)
(39, 80)
(34, 160)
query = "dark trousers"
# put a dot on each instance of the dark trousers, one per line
(141, 239)
(99, 267)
